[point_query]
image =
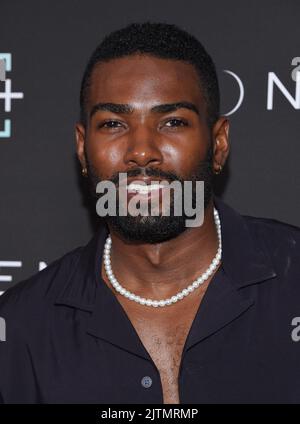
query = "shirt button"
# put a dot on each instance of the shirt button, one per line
(146, 382)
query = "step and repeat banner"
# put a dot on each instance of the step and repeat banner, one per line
(44, 47)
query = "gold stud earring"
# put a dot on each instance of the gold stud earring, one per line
(217, 172)
(84, 172)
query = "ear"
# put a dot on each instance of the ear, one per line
(80, 143)
(221, 143)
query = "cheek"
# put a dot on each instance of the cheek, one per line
(184, 156)
(106, 158)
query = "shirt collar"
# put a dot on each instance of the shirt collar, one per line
(244, 254)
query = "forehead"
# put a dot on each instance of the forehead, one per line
(144, 79)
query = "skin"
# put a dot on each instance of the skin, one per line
(144, 138)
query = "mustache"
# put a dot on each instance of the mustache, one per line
(148, 172)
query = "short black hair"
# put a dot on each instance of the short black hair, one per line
(161, 40)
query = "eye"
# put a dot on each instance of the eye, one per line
(110, 124)
(176, 122)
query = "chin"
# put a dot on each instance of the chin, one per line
(147, 229)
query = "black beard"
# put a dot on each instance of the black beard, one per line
(156, 229)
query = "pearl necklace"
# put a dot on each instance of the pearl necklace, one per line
(185, 292)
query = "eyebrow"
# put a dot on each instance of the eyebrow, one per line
(128, 109)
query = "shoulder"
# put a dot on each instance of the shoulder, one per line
(34, 293)
(281, 241)
(274, 231)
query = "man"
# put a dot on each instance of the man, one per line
(121, 320)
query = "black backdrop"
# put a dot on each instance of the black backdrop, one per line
(43, 213)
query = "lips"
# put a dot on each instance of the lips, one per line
(143, 180)
(142, 188)
(143, 185)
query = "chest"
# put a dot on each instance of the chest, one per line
(163, 334)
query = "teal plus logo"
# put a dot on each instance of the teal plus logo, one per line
(7, 95)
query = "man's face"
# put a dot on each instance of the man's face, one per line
(146, 138)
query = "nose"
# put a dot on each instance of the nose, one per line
(142, 148)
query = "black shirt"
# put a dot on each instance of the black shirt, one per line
(69, 340)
